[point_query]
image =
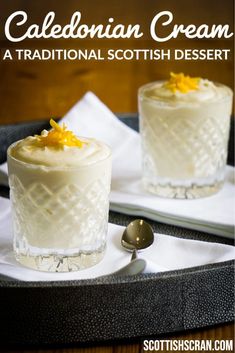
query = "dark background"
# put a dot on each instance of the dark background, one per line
(31, 90)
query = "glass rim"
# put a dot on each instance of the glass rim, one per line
(141, 90)
(54, 168)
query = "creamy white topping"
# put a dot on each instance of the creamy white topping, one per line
(29, 150)
(207, 91)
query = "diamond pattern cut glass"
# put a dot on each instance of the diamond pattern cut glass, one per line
(184, 146)
(60, 215)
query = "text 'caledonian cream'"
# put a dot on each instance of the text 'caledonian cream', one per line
(77, 30)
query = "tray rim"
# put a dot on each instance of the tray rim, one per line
(181, 314)
(17, 284)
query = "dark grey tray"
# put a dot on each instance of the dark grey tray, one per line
(42, 313)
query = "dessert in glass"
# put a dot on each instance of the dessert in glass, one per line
(59, 190)
(184, 125)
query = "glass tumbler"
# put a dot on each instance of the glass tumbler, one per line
(60, 214)
(184, 146)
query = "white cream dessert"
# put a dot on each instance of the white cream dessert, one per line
(184, 126)
(59, 190)
(30, 150)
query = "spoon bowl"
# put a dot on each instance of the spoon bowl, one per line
(138, 235)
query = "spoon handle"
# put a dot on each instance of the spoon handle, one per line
(134, 255)
(133, 268)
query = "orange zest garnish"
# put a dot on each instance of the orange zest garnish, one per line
(180, 82)
(59, 136)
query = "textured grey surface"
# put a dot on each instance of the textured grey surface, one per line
(114, 308)
(104, 309)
